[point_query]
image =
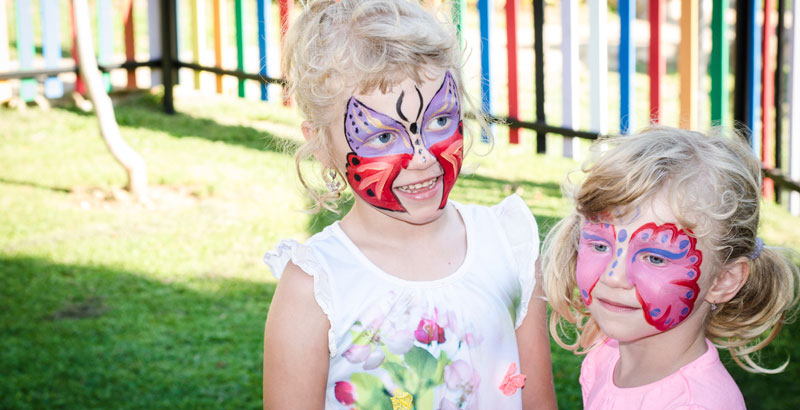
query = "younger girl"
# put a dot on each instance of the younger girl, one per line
(659, 259)
(412, 300)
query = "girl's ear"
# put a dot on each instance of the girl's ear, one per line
(308, 134)
(727, 284)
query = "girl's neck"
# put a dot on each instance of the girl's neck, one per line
(415, 252)
(653, 358)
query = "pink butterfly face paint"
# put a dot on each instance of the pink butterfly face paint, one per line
(382, 146)
(660, 262)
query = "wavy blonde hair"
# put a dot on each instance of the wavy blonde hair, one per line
(714, 183)
(338, 46)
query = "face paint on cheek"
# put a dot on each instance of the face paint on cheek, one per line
(664, 267)
(381, 149)
(443, 133)
(596, 249)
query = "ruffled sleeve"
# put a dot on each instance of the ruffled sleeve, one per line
(304, 257)
(520, 228)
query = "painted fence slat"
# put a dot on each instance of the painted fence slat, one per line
(80, 85)
(218, 36)
(657, 67)
(459, 10)
(569, 90)
(780, 91)
(752, 103)
(794, 109)
(25, 48)
(513, 88)
(486, 11)
(720, 56)
(284, 13)
(130, 45)
(627, 64)
(767, 95)
(263, 13)
(197, 24)
(688, 64)
(104, 38)
(538, 51)
(5, 87)
(239, 11)
(154, 35)
(598, 66)
(51, 46)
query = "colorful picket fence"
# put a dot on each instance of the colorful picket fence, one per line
(759, 76)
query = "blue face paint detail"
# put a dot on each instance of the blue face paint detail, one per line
(684, 243)
(655, 312)
(684, 311)
(664, 239)
(690, 274)
(660, 252)
(689, 294)
(645, 235)
(692, 259)
(585, 235)
(619, 251)
(605, 226)
(614, 265)
(610, 273)
(668, 321)
(584, 294)
(623, 234)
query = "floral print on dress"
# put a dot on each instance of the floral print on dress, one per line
(404, 345)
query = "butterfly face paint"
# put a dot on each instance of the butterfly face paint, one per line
(660, 262)
(383, 146)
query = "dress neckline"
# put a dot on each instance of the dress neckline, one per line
(468, 255)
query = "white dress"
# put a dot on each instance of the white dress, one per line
(449, 343)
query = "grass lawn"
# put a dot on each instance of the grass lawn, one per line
(108, 304)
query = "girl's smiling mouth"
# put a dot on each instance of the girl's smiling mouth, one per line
(617, 307)
(419, 187)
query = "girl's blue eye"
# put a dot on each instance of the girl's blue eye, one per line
(381, 140)
(600, 247)
(655, 260)
(439, 123)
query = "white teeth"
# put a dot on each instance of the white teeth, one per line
(417, 187)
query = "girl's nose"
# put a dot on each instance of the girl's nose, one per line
(616, 274)
(422, 158)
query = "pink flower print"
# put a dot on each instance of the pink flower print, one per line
(399, 341)
(447, 405)
(371, 355)
(512, 382)
(345, 393)
(460, 376)
(472, 340)
(429, 330)
(357, 353)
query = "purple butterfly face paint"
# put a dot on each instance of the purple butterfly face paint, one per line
(660, 263)
(382, 145)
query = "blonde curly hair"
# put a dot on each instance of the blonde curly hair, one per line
(714, 183)
(337, 46)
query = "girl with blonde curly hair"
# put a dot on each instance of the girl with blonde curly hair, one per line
(659, 264)
(412, 300)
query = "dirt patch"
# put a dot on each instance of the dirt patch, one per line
(92, 306)
(158, 197)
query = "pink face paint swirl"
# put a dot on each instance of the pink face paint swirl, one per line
(663, 264)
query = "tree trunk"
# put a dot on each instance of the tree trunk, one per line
(129, 159)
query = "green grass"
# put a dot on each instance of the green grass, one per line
(105, 303)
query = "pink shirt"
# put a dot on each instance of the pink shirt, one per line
(702, 384)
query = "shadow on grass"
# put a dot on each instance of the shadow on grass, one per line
(77, 336)
(144, 111)
(35, 185)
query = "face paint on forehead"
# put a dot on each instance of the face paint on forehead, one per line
(381, 145)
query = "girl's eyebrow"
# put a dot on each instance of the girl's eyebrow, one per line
(399, 105)
(594, 237)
